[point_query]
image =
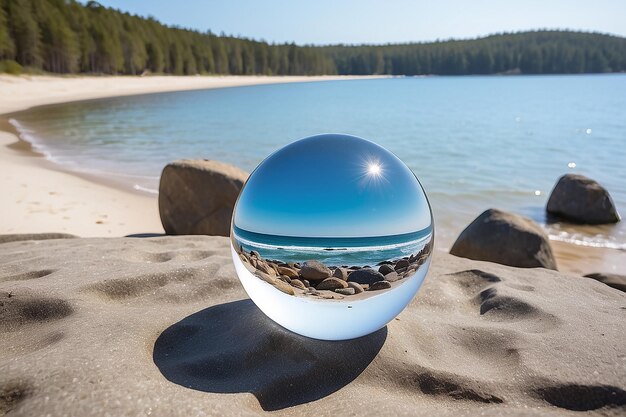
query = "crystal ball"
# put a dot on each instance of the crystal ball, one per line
(332, 236)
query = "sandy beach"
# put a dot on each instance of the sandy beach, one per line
(42, 198)
(162, 327)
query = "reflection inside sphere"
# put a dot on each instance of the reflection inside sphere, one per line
(332, 236)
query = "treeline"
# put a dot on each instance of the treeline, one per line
(63, 36)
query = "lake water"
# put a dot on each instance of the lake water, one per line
(474, 142)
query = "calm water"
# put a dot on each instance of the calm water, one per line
(474, 142)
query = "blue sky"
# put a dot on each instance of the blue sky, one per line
(332, 186)
(379, 21)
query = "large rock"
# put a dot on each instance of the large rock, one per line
(582, 200)
(197, 197)
(505, 238)
(365, 276)
(315, 271)
(612, 280)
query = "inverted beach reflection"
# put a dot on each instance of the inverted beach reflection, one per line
(333, 227)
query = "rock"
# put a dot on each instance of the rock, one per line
(314, 270)
(298, 284)
(505, 238)
(265, 268)
(332, 283)
(402, 264)
(365, 276)
(255, 254)
(197, 197)
(274, 267)
(582, 200)
(341, 274)
(345, 291)
(385, 269)
(357, 287)
(328, 295)
(265, 277)
(380, 285)
(290, 272)
(284, 287)
(612, 280)
(284, 278)
(392, 276)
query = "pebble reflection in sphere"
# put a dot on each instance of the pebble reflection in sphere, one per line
(332, 236)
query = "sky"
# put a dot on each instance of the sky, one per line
(379, 21)
(332, 186)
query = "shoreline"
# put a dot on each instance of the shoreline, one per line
(41, 176)
(113, 208)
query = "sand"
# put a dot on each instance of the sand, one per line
(39, 197)
(22, 92)
(161, 326)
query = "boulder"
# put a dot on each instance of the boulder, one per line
(356, 286)
(197, 197)
(385, 269)
(402, 264)
(341, 273)
(365, 276)
(505, 238)
(612, 280)
(582, 200)
(314, 271)
(332, 283)
(380, 285)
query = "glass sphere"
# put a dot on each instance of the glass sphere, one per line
(332, 236)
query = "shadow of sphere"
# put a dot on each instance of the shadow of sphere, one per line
(235, 348)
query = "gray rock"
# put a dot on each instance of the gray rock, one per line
(392, 276)
(582, 200)
(380, 285)
(314, 271)
(612, 280)
(356, 286)
(345, 291)
(365, 276)
(385, 269)
(197, 197)
(332, 283)
(402, 264)
(341, 274)
(505, 238)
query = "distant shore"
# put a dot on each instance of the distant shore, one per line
(42, 197)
